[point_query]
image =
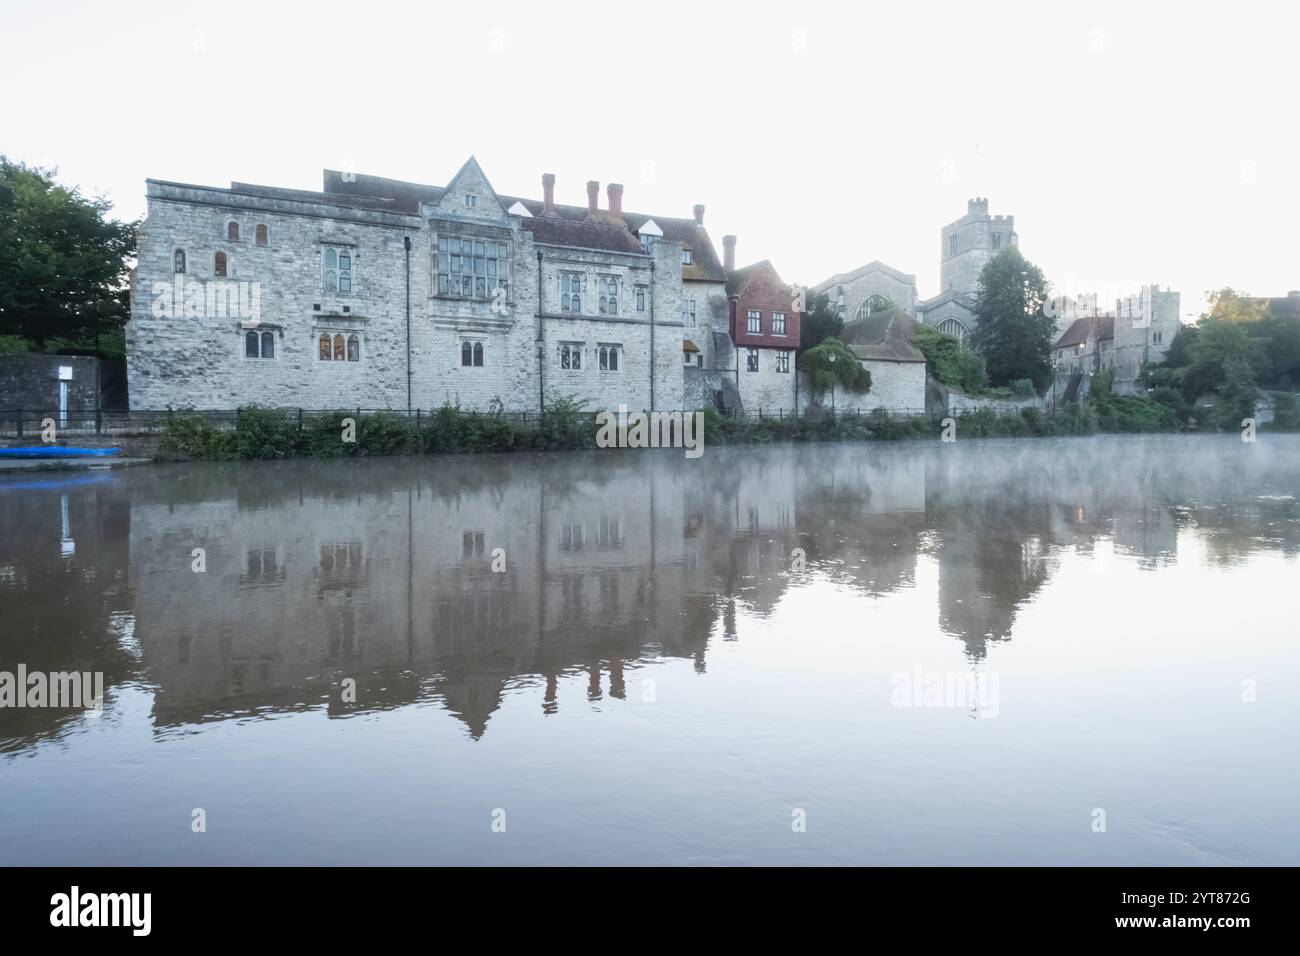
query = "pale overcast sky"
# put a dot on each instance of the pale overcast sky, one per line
(1132, 142)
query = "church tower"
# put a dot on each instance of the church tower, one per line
(968, 245)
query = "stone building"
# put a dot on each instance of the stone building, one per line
(376, 293)
(874, 287)
(1139, 330)
(765, 331)
(966, 246)
(882, 342)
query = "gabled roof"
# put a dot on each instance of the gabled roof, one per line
(874, 266)
(407, 197)
(1099, 326)
(883, 336)
(737, 279)
(967, 302)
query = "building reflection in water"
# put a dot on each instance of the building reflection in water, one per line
(383, 571)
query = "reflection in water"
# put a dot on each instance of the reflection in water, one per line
(382, 572)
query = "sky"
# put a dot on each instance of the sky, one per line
(1133, 143)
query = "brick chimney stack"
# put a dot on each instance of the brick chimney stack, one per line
(593, 197)
(615, 193)
(548, 195)
(729, 253)
(699, 214)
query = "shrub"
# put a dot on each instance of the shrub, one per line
(264, 433)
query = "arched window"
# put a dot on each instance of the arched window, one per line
(466, 354)
(997, 240)
(251, 345)
(179, 260)
(953, 327)
(354, 348)
(340, 349)
(324, 347)
(478, 353)
(260, 233)
(219, 264)
(874, 303)
(268, 345)
(232, 232)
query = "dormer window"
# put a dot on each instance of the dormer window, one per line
(647, 243)
(686, 257)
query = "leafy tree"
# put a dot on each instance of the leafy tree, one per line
(1012, 332)
(1237, 396)
(1218, 344)
(63, 264)
(833, 363)
(949, 361)
(819, 322)
(1228, 305)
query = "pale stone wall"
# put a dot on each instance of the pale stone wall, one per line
(897, 387)
(766, 390)
(899, 289)
(192, 359)
(198, 360)
(710, 314)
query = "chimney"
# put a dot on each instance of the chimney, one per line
(699, 214)
(548, 195)
(615, 193)
(729, 253)
(1293, 294)
(593, 197)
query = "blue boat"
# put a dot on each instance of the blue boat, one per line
(57, 451)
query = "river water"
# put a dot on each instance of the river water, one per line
(1074, 651)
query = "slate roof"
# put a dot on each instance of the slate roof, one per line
(883, 337)
(1102, 326)
(406, 197)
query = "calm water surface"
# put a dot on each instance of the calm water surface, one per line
(680, 660)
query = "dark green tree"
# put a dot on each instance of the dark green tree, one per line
(63, 263)
(833, 363)
(819, 321)
(1011, 331)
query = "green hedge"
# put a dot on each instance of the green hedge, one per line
(272, 433)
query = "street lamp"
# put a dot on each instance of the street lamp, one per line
(831, 359)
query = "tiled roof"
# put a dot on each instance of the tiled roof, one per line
(884, 336)
(737, 279)
(582, 235)
(705, 264)
(1099, 326)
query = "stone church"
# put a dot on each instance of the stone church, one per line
(375, 293)
(966, 246)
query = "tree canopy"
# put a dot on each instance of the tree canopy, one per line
(63, 263)
(819, 321)
(1011, 331)
(833, 363)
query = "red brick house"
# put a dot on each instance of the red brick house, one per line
(764, 327)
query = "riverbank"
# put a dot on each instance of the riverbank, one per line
(258, 433)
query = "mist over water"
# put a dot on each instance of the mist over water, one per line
(937, 653)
